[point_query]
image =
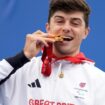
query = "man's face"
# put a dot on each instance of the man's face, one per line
(71, 25)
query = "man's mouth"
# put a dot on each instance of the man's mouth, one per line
(66, 38)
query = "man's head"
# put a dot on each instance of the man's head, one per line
(69, 6)
(68, 18)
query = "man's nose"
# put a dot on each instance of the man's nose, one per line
(66, 28)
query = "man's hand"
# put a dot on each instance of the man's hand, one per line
(35, 42)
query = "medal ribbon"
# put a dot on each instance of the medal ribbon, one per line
(48, 55)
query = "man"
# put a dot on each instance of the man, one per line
(62, 75)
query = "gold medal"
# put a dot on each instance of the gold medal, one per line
(61, 75)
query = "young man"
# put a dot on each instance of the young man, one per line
(62, 75)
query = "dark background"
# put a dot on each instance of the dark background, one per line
(19, 17)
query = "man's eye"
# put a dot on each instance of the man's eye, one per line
(76, 23)
(59, 21)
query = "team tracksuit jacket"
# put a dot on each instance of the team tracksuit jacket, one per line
(81, 84)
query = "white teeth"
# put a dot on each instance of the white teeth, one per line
(67, 38)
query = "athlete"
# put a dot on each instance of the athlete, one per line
(62, 75)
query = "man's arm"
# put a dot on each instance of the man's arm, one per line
(10, 65)
(33, 45)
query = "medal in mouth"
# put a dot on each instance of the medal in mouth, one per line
(61, 38)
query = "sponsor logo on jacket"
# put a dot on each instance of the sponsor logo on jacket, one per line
(35, 84)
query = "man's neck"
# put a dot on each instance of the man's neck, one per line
(59, 55)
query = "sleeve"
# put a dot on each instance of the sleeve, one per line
(5, 69)
(9, 65)
(1, 101)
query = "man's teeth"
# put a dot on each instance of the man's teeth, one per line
(67, 38)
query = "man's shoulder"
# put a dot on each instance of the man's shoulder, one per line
(36, 59)
(93, 70)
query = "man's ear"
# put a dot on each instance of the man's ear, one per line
(87, 30)
(47, 27)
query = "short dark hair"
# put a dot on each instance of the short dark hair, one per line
(69, 6)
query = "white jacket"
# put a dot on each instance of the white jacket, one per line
(82, 84)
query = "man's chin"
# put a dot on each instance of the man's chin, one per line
(63, 51)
